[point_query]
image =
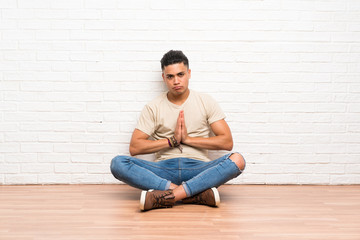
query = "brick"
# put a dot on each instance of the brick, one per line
(344, 179)
(102, 127)
(87, 57)
(21, 157)
(69, 127)
(103, 107)
(331, 148)
(69, 107)
(9, 168)
(85, 158)
(98, 168)
(8, 4)
(281, 178)
(31, 66)
(52, 56)
(354, 108)
(53, 157)
(33, 4)
(84, 14)
(353, 148)
(9, 85)
(11, 179)
(35, 127)
(52, 178)
(66, 4)
(36, 106)
(18, 35)
(352, 169)
(315, 16)
(18, 13)
(314, 179)
(34, 24)
(86, 138)
(100, 25)
(4, 106)
(96, 148)
(106, 4)
(86, 76)
(346, 138)
(87, 178)
(54, 137)
(87, 117)
(25, 137)
(36, 147)
(345, 118)
(120, 138)
(9, 147)
(103, 67)
(34, 45)
(330, 27)
(50, 13)
(37, 168)
(70, 168)
(161, 4)
(330, 6)
(69, 147)
(330, 107)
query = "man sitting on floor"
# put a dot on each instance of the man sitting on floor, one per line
(177, 127)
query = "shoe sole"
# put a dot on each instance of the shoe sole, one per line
(143, 198)
(216, 196)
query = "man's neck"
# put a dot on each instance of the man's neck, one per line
(178, 99)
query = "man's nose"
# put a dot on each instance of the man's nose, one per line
(176, 80)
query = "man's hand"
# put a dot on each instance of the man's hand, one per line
(180, 129)
(221, 141)
(184, 135)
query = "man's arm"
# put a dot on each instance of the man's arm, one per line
(221, 141)
(140, 144)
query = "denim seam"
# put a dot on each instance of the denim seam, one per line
(187, 189)
(158, 166)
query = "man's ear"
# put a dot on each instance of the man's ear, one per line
(163, 76)
(189, 71)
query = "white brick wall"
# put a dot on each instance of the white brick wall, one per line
(75, 74)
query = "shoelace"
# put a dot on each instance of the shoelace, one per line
(161, 201)
(199, 199)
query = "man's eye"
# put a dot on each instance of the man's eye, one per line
(180, 74)
(170, 77)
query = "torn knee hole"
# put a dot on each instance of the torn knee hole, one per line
(238, 160)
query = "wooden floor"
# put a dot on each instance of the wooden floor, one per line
(246, 212)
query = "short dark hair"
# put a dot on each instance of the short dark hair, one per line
(172, 57)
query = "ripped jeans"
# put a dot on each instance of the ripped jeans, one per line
(195, 175)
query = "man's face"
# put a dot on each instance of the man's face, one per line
(176, 78)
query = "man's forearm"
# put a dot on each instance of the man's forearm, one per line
(212, 143)
(145, 146)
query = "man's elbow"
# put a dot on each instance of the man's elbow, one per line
(133, 151)
(229, 145)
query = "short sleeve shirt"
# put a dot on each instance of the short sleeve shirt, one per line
(158, 120)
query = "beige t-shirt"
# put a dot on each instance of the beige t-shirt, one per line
(158, 120)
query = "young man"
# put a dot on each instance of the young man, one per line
(177, 127)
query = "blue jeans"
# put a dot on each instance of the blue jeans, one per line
(196, 176)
